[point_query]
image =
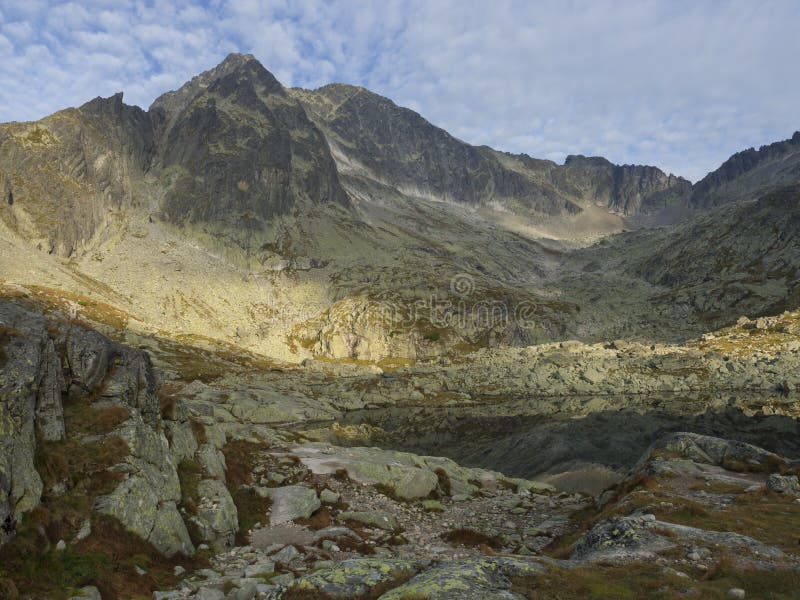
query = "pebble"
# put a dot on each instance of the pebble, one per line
(736, 593)
(284, 579)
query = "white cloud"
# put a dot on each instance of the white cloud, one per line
(674, 83)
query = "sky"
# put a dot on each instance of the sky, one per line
(680, 84)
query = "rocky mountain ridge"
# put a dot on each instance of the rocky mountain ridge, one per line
(373, 137)
(302, 224)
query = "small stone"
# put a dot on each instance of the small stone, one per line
(329, 496)
(260, 568)
(61, 545)
(287, 555)
(781, 484)
(432, 506)
(178, 570)
(88, 593)
(84, 531)
(284, 579)
(209, 593)
(292, 502)
(139, 571)
(247, 592)
(330, 546)
(737, 593)
(203, 547)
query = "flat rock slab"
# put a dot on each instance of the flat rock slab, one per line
(282, 534)
(371, 518)
(355, 578)
(292, 502)
(477, 579)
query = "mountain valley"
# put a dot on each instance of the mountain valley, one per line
(269, 342)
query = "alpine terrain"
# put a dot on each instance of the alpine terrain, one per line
(271, 342)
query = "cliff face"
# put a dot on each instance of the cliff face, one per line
(750, 173)
(61, 176)
(230, 150)
(235, 151)
(374, 137)
(625, 189)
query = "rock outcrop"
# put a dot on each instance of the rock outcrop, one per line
(30, 388)
(96, 374)
(750, 173)
(237, 152)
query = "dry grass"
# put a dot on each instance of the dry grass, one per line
(470, 537)
(241, 459)
(319, 520)
(6, 334)
(106, 559)
(648, 581)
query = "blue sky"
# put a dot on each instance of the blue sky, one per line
(678, 84)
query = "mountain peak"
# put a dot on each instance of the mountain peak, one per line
(244, 66)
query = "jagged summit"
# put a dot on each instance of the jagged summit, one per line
(241, 68)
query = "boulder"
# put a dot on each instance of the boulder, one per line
(473, 579)
(371, 518)
(217, 517)
(292, 502)
(716, 451)
(784, 484)
(354, 578)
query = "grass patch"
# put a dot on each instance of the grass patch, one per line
(645, 581)
(189, 473)
(444, 481)
(241, 458)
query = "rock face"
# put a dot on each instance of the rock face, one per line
(30, 389)
(145, 502)
(121, 380)
(626, 189)
(239, 152)
(374, 138)
(750, 173)
(230, 150)
(67, 172)
(217, 516)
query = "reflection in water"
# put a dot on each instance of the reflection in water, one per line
(584, 437)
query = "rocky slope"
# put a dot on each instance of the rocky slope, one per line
(373, 137)
(63, 177)
(301, 224)
(259, 482)
(235, 151)
(750, 173)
